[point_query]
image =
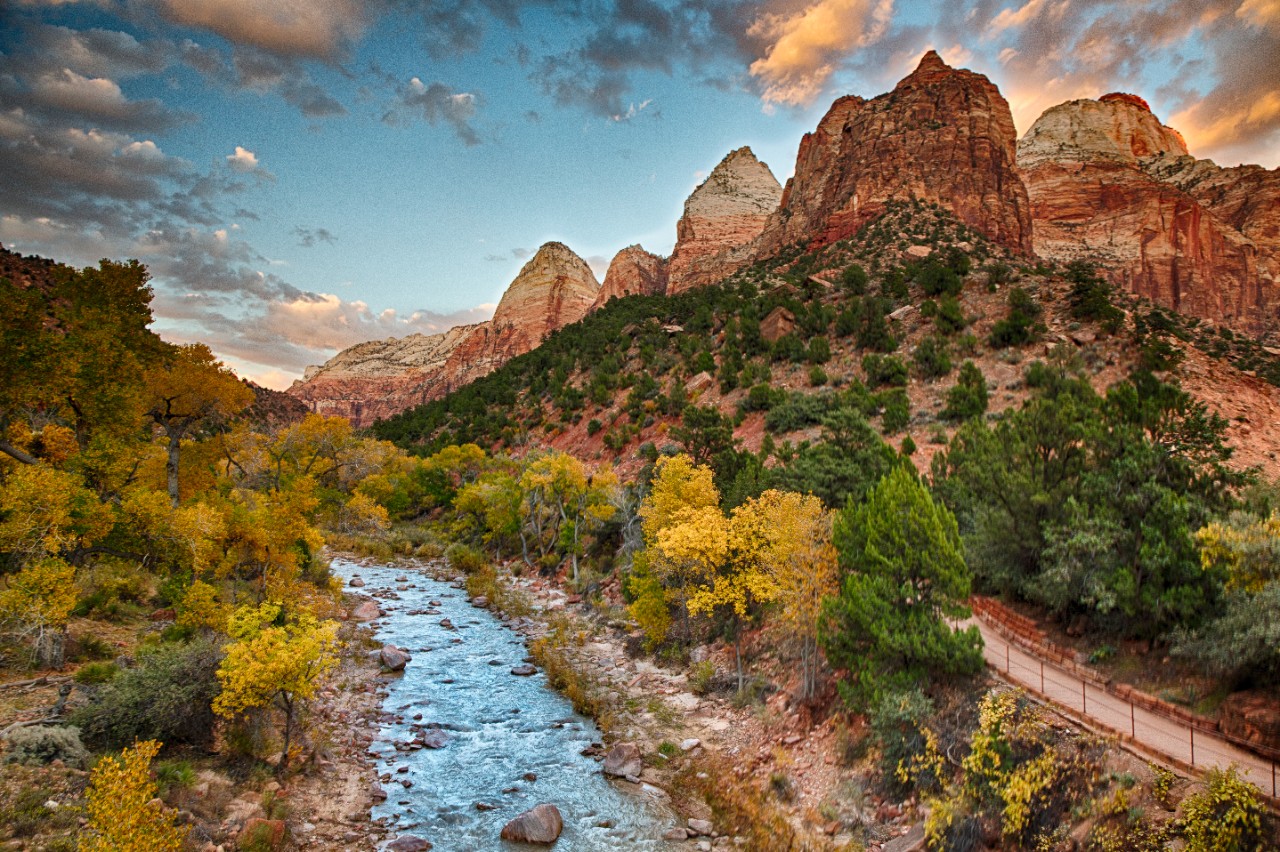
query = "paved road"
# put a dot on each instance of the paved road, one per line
(1153, 732)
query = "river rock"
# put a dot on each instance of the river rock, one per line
(408, 843)
(480, 601)
(393, 658)
(366, 611)
(356, 582)
(432, 739)
(701, 827)
(525, 670)
(690, 744)
(541, 824)
(676, 833)
(376, 792)
(623, 760)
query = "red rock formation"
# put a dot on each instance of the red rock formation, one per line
(943, 135)
(722, 218)
(371, 381)
(1109, 182)
(633, 272)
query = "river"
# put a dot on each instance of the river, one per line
(499, 731)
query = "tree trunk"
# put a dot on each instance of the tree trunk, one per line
(175, 447)
(737, 649)
(50, 648)
(288, 734)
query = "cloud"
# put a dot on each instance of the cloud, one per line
(633, 110)
(805, 47)
(254, 70)
(243, 160)
(514, 254)
(67, 96)
(308, 237)
(435, 103)
(288, 335)
(290, 28)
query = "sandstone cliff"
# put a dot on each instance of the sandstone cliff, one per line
(943, 135)
(633, 272)
(1109, 182)
(370, 381)
(722, 218)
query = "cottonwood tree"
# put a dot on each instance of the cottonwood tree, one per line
(125, 811)
(189, 390)
(270, 665)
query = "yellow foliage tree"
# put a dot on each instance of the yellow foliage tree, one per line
(791, 533)
(124, 813)
(678, 484)
(562, 499)
(37, 602)
(270, 665)
(202, 608)
(1246, 548)
(188, 390)
(49, 512)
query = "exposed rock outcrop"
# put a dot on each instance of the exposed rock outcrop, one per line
(374, 380)
(942, 135)
(633, 272)
(1109, 182)
(722, 218)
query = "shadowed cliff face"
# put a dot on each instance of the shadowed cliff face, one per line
(374, 380)
(1109, 182)
(633, 272)
(942, 135)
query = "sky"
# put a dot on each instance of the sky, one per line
(301, 176)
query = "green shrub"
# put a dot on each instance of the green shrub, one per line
(1021, 326)
(464, 558)
(931, 358)
(701, 676)
(898, 727)
(92, 673)
(884, 370)
(896, 410)
(854, 279)
(37, 745)
(166, 697)
(819, 351)
(968, 398)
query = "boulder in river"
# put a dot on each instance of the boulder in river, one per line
(366, 611)
(623, 760)
(541, 824)
(408, 843)
(432, 739)
(393, 658)
(525, 670)
(356, 582)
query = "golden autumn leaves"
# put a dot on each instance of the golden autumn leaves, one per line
(773, 549)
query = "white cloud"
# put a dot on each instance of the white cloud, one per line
(243, 160)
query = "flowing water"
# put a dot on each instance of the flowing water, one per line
(496, 727)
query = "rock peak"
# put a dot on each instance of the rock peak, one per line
(725, 213)
(1126, 98)
(931, 61)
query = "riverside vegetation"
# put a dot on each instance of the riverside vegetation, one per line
(134, 479)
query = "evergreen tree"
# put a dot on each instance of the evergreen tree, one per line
(906, 577)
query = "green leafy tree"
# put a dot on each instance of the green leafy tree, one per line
(906, 577)
(968, 398)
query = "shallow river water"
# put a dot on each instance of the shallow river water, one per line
(496, 728)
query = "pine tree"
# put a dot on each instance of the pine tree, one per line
(906, 578)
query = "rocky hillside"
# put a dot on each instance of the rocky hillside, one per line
(1109, 183)
(1102, 181)
(942, 135)
(722, 218)
(374, 380)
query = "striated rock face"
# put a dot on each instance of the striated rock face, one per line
(633, 272)
(370, 381)
(943, 135)
(1108, 181)
(722, 218)
(555, 288)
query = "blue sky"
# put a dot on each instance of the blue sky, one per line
(303, 176)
